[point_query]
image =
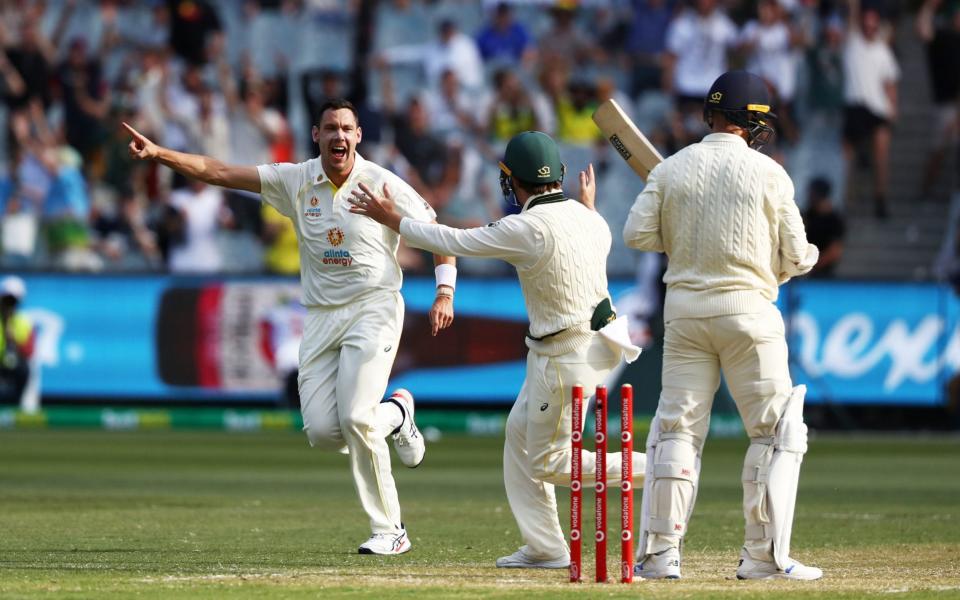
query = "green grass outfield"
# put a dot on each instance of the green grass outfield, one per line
(168, 514)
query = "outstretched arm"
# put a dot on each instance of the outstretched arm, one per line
(195, 166)
(853, 14)
(924, 21)
(441, 313)
(513, 240)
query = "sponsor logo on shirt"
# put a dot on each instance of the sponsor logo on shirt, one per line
(340, 258)
(313, 211)
(335, 236)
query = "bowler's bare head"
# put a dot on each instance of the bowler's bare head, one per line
(337, 133)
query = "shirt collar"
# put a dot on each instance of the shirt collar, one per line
(544, 198)
(724, 138)
(318, 175)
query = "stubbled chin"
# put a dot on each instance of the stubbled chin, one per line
(335, 164)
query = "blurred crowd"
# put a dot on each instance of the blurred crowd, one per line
(441, 86)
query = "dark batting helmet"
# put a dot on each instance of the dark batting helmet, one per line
(744, 100)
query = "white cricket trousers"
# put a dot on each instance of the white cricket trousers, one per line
(345, 361)
(536, 454)
(751, 350)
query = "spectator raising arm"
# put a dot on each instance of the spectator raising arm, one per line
(853, 14)
(13, 84)
(196, 166)
(924, 22)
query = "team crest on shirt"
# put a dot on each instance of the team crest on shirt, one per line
(313, 211)
(335, 236)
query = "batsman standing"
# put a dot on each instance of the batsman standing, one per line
(351, 282)
(559, 247)
(725, 216)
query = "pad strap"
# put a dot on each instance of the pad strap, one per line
(758, 531)
(667, 526)
(675, 471)
(756, 474)
(689, 438)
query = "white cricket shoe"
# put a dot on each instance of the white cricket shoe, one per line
(521, 560)
(662, 565)
(408, 441)
(751, 568)
(386, 543)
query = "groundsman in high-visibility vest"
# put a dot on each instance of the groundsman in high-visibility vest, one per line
(17, 341)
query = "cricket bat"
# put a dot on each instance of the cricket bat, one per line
(629, 141)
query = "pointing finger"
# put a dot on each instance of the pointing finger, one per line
(136, 134)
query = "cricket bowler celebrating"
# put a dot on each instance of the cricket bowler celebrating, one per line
(725, 216)
(559, 248)
(351, 282)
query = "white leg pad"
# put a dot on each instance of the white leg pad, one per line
(669, 491)
(771, 471)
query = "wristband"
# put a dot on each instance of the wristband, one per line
(446, 274)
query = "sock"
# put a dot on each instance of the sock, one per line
(391, 414)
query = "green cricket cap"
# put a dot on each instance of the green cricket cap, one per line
(532, 157)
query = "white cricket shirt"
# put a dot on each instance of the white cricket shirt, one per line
(868, 65)
(772, 58)
(199, 252)
(343, 256)
(700, 45)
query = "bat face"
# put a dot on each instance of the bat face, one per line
(628, 141)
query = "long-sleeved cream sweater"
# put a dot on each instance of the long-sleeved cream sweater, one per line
(726, 218)
(560, 251)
